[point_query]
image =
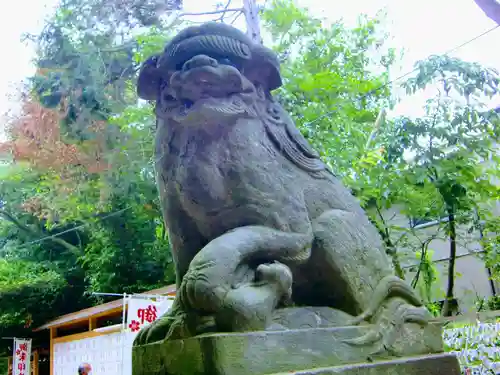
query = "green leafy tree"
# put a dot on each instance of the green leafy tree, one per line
(333, 85)
(453, 146)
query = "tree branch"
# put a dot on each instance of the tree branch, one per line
(376, 128)
(221, 19)
(16, 222)
(424, 246)
(491, 8)
(212, 12)
(73, 249)
(236, 18)
(390, 248)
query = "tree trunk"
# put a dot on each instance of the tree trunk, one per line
(397, 264)
(488, 269)
(491, 8)
(451, 263)
(73, 249)
(423, 257)
(390, 248)
(252, 19)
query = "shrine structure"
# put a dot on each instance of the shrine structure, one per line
(99, 335)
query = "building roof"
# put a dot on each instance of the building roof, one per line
(99, 310)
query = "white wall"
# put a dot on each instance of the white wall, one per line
(471, 280)
(104, 353)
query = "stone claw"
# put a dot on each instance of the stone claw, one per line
(154, 332)
(166, 327)
(389, 287)
(388, 326)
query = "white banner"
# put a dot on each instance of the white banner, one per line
(21, 357)
(141, 311)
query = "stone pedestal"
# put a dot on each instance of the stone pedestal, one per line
(433, 364)
(301, 351)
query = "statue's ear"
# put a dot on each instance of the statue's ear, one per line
(263, 68)
(149, 81)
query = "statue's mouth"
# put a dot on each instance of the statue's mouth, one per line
(204, 77)
(204, 83)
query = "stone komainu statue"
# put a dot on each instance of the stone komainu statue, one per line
(263, 235)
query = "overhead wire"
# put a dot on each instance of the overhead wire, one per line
(75, 228)
(308, 123)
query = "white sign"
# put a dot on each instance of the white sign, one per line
(141, 312)
(21, 357)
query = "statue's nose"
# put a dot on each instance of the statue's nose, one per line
(199, 61)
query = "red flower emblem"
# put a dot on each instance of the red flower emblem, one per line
(134, 325)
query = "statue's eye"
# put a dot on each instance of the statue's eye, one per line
(180, 65)
(187, 103)
(226, 61)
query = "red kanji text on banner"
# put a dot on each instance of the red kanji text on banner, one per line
(21, 357)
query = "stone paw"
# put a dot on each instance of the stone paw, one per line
(388, 327)
(147, 334)
(389, 288)
(170, 327)
(277, 274)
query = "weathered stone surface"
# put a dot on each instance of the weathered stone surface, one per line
(440, 364)
(267, 352)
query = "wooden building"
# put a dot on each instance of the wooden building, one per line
(79, 331)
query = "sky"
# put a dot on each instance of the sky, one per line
(421, 28)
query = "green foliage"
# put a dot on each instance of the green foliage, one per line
(492, 303)
(452, 162)
(331, 84)
(491, 237)
(428, 275)
(456, 134)
(27, 280)
(152, 42)
(4, 366)
(434, 308)
(454, 143)
(121, 258)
